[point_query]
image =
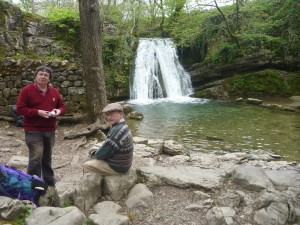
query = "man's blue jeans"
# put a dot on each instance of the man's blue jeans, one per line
(40, 145)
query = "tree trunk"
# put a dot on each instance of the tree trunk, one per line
(32, 6)
(237, 17)
(228, 31)
(92, 58)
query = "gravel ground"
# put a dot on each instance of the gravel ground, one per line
(68, 156)
(169, 208)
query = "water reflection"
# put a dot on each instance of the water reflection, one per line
(206, 125)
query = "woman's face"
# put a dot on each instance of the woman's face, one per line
(113, 117)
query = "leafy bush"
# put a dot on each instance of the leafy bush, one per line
(227, 53)
(253, 43)
(27, 211)
(263, 26)
(67, 22)
(117, 61)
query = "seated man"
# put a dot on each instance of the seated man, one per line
(114, 157)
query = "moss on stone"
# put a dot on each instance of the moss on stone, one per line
(265, 82)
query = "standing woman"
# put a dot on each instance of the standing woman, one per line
(40, 104)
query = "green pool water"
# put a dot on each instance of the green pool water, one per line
(207, 125)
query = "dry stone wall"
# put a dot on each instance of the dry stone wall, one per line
(67, 78)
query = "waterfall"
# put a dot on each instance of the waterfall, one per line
(158, 72)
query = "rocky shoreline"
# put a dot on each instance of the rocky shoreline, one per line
(166, 185)
(291, 104)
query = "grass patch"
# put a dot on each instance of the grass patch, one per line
(22, 217)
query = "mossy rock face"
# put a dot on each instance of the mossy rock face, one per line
(272, 83)
(77, 103)
(266, 82)
(204, 94)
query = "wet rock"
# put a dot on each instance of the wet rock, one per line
(254, 101)
(135, 115)
(174, 148)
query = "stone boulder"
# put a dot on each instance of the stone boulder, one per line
(116, 187)
(140, 196)
(135, 115)
(81, 190)
(56, 216)
(221, 216)
(252, 178)
(174, 148)
(107, 214)
(183, 177)
(10, 209)
(272, 208)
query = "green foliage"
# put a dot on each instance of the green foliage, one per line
(269, 28)
(56, 14)
(226, 53)
(294, 82)
(26, 5)
(270, 25)
(27, 211)
(66, 204)
(253, 43)
(264, 26)
(89, 222)
(117, 61)
(67, 22)
(186, 31)
(269, 82)
(132, 216)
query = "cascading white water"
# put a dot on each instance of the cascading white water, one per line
(158, 72)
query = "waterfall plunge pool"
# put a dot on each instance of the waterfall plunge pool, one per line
(212, 125)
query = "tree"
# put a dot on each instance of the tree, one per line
(229, 31)
(28, 5)
(92, 58)
(160, 5)
(67, 4)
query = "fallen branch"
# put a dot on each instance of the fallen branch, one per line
(61, 165)
(72, 118)
(65, 119)
(79, 143)
(90, 130)
(7, 118)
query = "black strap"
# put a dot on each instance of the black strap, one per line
(2, 190)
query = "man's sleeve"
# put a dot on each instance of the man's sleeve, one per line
(107, 149)
(22, 105)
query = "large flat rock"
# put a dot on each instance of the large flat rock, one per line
(184, 177)
(283, 179)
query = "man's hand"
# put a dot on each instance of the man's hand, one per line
(92, 152)
(43, 113)
(57, 112)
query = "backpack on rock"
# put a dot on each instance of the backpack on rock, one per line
(17, 184)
